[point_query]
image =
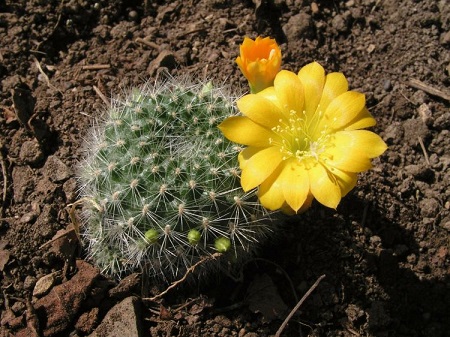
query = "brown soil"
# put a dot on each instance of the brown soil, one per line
(385, 251)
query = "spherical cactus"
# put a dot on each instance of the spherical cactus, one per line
(161, 184)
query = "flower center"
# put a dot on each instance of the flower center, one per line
(300, 137)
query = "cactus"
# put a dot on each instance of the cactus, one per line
(161, 183)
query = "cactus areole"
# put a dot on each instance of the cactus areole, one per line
(161, 183)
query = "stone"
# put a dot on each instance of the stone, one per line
(23, 183)
(420, 172)
(43, 285)
(4, 258)
(165, 59)
(46, 220)
(445, 38)
(354, 312)
(87, 321)
(31, 153)
(28, 217)
(415, 129)
(127, 285)
(56, 170)
(297, 26)
(446, 225)
(29, 282)
(338, 22)
(393, 133)
(425, 113)
(121, 320)
(429, 207)
(442, 122)
(57, 310)
(70, 190)
(26, 332)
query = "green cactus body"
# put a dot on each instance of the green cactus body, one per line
(165, 183)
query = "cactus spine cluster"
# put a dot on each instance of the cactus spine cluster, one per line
(161, 183)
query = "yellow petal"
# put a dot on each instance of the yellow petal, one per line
(362, 120)
(312, 77)
(270, 94)
(242, 130)
(270, 192)
(260, 110)
(245, 155)
(350, 161)
(335, 84)
(289, 91)
(306, 204)
(259, 166)
(363, 140)
(286, 209)
(343, 110)
(352, 150)
(294, 180)
(346, 180)
(324, 186)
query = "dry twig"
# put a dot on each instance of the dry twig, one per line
(74, 220)
(102, 96)
(147, 43)
(5, 183)
(428, 89)
(188, 271)
(44, 75)
(424, 150)
(191, 32)
(96, 66)
(299, 304)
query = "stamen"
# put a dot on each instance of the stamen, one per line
(299, 137)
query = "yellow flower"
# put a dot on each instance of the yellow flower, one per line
(304, 139)
(260, 61)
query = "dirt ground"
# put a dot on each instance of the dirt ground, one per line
(384, 251)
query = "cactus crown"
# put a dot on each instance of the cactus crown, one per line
(165, 183)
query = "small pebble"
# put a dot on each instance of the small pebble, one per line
(31, 152)
(28, 217)
(371, 48)
(133, 15)
(56, 170)
(43, 285)
(29, 282)
(446, 226)
(350, 3)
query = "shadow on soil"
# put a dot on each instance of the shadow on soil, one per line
(369, 282)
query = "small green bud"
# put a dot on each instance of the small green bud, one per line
(151, 235)
(194, 237)
(222, 244)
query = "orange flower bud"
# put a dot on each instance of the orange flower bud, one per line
(260, 61)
